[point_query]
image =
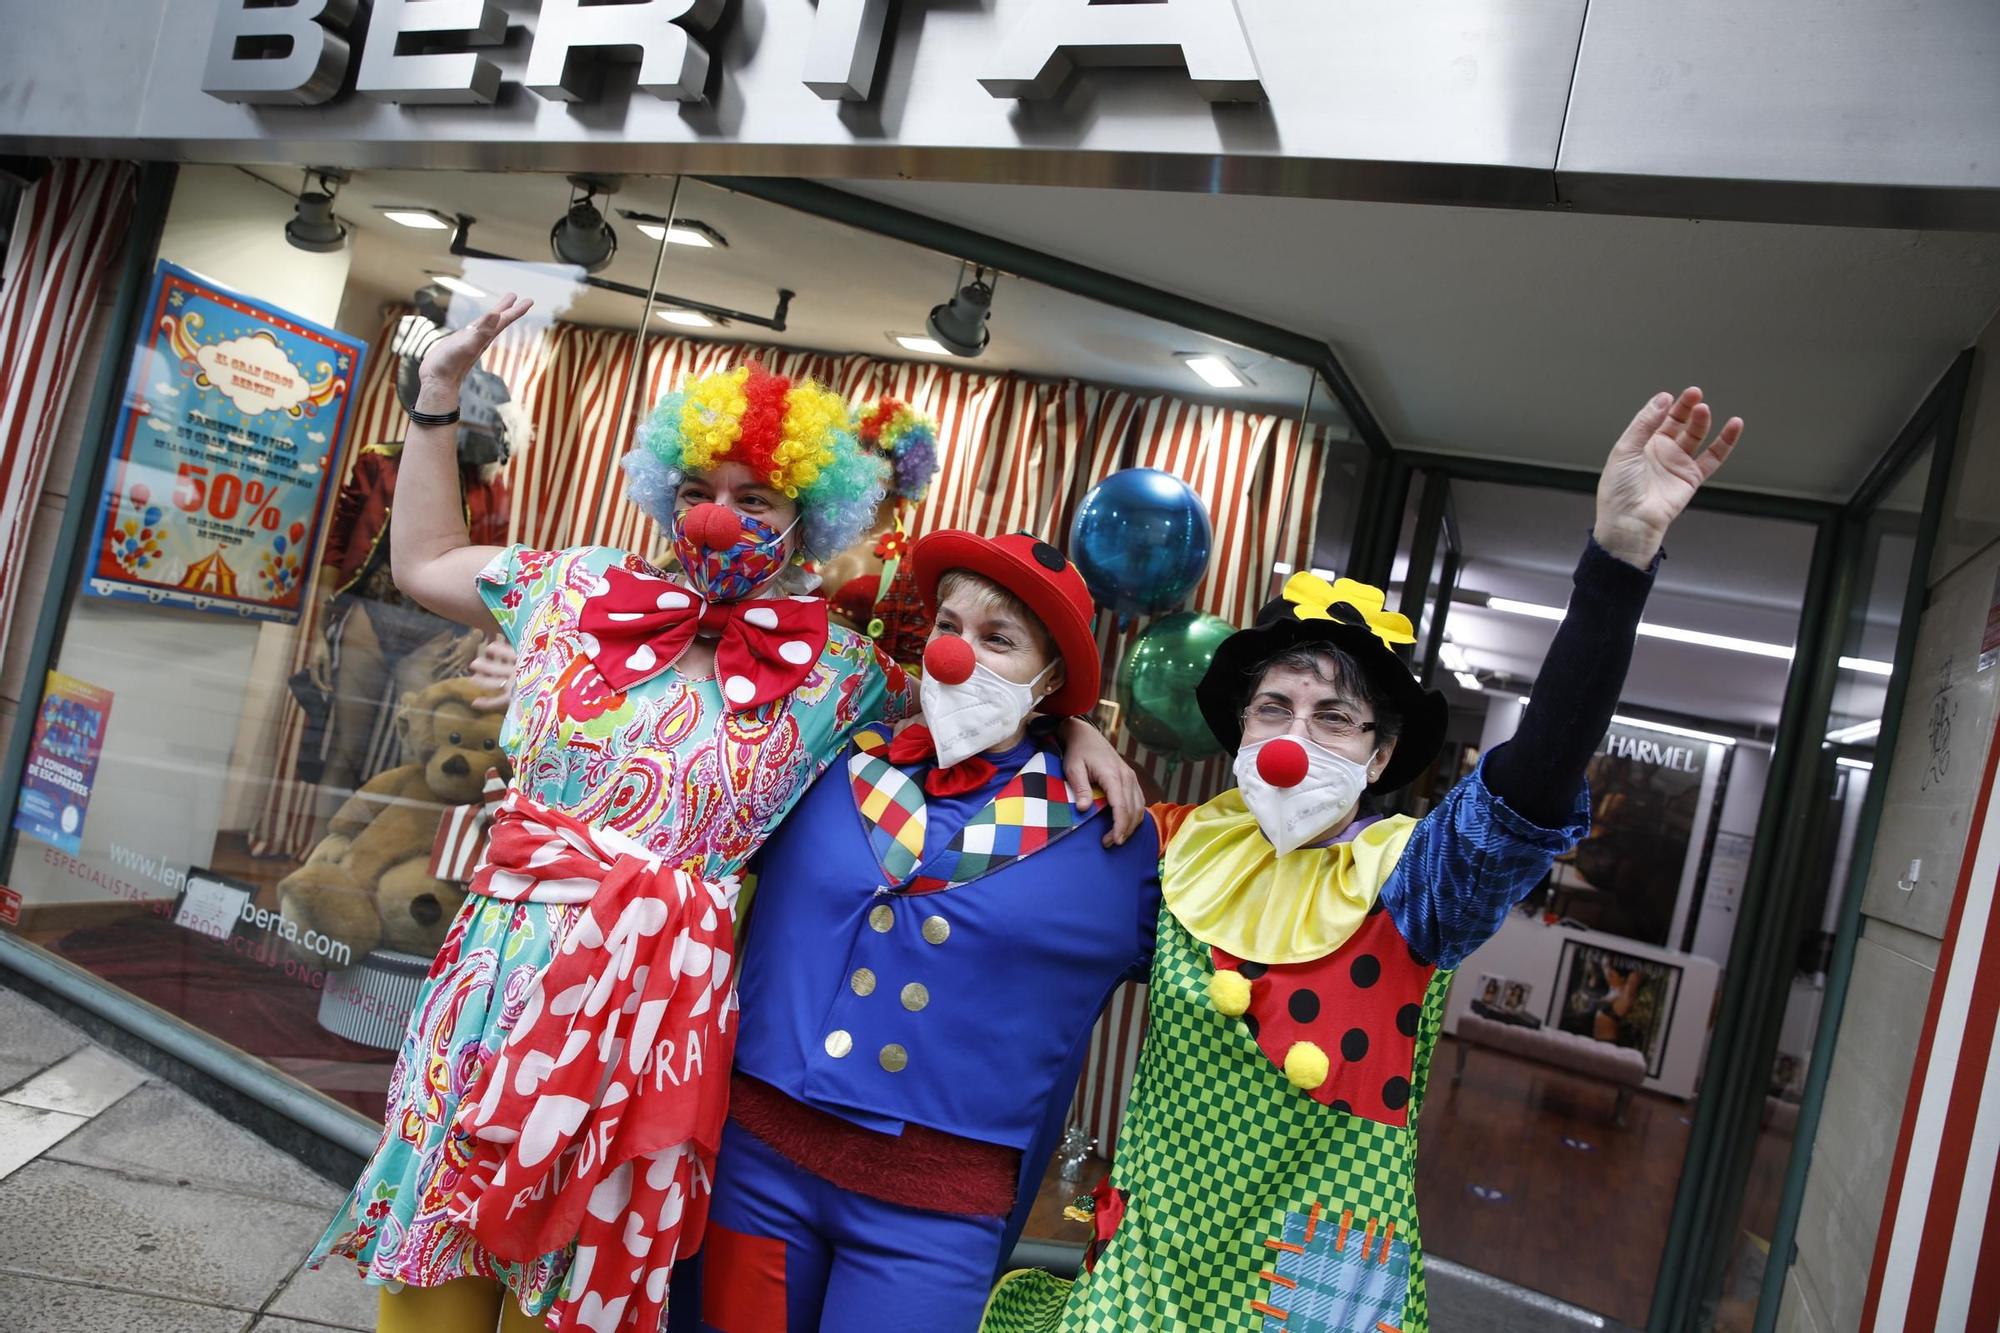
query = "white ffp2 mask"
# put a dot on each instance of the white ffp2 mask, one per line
(975, 714)
(1292, 816)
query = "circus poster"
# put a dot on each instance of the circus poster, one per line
(217, 483)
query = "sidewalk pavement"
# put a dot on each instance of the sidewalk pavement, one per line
(125, 1204)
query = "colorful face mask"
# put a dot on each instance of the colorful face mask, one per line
(734, 572)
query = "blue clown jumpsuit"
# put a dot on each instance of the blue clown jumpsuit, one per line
(953, 990)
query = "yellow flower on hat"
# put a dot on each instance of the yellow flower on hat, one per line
(1315, 598)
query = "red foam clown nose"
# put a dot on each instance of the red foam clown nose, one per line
(948, 658)
(1283, 762)
(712, 527)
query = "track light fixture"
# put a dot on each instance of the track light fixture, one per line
(313, 227)
(960, 323)
(581, 236)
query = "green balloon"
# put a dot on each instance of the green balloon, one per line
(1156, 685)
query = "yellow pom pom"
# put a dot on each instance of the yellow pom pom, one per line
(1306, 1065)
(1229, 991)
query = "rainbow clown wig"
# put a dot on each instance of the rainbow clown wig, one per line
(795, 435)
(908, 439)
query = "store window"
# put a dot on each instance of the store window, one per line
(255, 791)
(1564, 1092)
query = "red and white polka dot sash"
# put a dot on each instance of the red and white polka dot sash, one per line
(599, 1118)
(636, 625)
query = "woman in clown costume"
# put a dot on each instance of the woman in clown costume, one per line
(1265, 1177)
(556, 1105)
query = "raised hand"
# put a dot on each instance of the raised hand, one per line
(1658, 464)
(451, 358)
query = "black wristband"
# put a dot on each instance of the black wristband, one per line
(434, 418)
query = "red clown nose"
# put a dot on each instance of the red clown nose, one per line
(1283, 762)
(712, 527)
(948, 658)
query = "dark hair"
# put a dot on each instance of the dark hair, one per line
(1342, 670)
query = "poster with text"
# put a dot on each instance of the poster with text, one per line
(62, 763)
(233, 415)
(1645, 796)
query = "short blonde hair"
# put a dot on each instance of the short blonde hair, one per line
(985, 593)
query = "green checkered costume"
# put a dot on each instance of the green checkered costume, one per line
(1222, 1157)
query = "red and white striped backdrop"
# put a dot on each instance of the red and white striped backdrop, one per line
(1937, 1253)
(67, 235)
(1013, 454)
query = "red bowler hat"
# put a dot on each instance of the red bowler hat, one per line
(1037, 573)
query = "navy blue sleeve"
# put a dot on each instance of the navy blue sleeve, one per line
(1576, 691)
(1466, 865)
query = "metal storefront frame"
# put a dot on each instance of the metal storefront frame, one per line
(1937, 423)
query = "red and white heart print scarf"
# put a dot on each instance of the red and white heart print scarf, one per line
(599, 1119)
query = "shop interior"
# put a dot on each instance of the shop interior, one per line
(1562, 1097)
(1535, 1134)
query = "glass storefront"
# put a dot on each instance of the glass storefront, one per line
(253, 795)
(1565, 1090)
(255, 789)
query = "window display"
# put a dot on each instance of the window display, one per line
(292, 797)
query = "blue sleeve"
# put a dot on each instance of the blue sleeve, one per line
(1466, 865)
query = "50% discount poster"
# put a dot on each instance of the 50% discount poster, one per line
(217, 486)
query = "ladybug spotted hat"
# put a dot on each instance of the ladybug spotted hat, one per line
(1048, 584)
(1346, 615)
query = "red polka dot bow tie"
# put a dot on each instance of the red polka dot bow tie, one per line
(637, 625)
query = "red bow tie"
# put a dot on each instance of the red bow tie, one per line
(913, 745)
(637, 625)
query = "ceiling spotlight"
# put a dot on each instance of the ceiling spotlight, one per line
(429, 302)
(423, 219)
(911, 342)
(687, 319)
(960, 323)
(313, 227)
(460, 286)
(581, 236)
(1215, 371)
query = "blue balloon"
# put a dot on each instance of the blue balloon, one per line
(1141, 539)
(153, 516)
(279, 544)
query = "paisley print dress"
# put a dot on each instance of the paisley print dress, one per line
(665, 762)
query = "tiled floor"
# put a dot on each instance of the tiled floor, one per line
(126, 1204)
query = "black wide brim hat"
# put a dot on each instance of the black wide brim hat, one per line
(1344, 615)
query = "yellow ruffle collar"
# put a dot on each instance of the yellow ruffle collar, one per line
(1222, 881)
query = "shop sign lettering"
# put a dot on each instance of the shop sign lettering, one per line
(428, 51)
(1678, 758)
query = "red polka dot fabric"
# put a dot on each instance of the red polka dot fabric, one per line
(1359, 1004)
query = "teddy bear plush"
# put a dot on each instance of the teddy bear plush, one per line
(368, 883)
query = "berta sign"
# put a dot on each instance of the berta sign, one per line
(428, 51)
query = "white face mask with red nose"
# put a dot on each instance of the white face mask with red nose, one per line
(968, 706)
(1296, 788)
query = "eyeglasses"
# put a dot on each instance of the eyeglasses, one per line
(1328, 726)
